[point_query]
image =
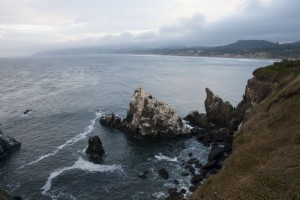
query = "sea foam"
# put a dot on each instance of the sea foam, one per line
(162, 157)
(69, 142)
(80, 164)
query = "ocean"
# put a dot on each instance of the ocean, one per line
(66, 97)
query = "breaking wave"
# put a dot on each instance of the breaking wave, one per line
(69, 142)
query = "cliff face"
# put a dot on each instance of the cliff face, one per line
(265, 161)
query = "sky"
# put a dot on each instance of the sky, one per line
(29, 26)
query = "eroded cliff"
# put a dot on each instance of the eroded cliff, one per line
(265, 161)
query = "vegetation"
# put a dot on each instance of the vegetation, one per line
(265, 162)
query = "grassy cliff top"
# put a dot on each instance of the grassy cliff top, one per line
(265, 163)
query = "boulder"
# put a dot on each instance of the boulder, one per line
(8, 145)
(95, 148)
(163, 173)
(147, 116)
(216, 153)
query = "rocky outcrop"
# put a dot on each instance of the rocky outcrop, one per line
(7, 145)
(95, 148)
(219, 112)
(111, 120)
(198, 119)
(147, 116)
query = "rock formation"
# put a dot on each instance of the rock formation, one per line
(95, 148)
(219, 112)
(147, 116)
(7, 145)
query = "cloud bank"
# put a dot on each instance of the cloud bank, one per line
(27, 26)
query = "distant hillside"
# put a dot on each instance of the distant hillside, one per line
(250, 44)
(241, 48)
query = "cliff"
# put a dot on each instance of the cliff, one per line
(265, 161)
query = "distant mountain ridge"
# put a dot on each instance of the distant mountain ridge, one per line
(240, 48)
(251, 44)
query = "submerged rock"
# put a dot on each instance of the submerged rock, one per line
(147, 116)
(95, 148)
(7, 145)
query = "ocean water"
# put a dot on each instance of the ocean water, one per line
(67, 95)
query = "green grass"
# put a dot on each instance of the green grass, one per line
(276, 71)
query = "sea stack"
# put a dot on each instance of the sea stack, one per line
(147, 116)
(95, 148)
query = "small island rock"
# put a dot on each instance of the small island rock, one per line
(95, 148)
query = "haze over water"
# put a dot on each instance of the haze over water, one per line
(67, 95)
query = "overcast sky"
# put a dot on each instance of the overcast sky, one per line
(28, 26)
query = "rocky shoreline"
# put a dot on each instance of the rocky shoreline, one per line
(7, 146)
(148, 117)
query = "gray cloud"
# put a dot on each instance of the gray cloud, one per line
(29, 25)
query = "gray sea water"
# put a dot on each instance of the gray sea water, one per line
(67, 95)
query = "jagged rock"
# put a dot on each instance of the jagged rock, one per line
(111, 120)
(218, 111)
(148, 117)
(216, 153)
(163, 173)
(7, 145)
(95, 148)
(198, 119)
